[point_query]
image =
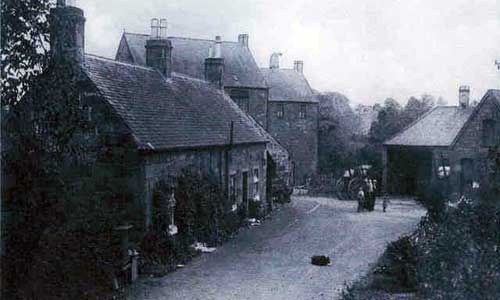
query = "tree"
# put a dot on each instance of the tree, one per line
(388, 122)
(24, 46)
(46, 147)
(338, 128)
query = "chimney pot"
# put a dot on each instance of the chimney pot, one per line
(214, 65)
(243, 39)
(62, 3)
(464, 96)
(298, 66)
(274, 62)
(159, 48)
(218, 47)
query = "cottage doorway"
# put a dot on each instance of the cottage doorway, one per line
(244, 190)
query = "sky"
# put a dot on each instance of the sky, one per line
(368, 50)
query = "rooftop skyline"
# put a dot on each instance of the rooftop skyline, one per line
(364, 50)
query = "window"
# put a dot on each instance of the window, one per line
(443, 169)
(489, 133)
(242, 98)
(256, 179)
(302, 113)
(232, 189)
(281, 111)
(89, 114)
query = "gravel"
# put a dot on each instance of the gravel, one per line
(273, 261)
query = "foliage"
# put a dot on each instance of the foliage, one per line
(24, 40)
(202, 214)
(338, 127)
(391, 119)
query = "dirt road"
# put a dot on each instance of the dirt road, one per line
(272, 261)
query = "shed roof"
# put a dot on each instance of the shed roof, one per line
(188, 57)
(288, 85)
(166, 113)
(439, 127)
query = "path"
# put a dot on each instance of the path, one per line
(272, 261)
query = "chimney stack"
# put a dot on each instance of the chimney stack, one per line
(67, 32)
(159, 48)
(464, 96)
(243, 39)
(298, 66)
(214, 65)
(274, 62)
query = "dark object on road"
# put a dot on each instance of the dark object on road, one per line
(320, 260)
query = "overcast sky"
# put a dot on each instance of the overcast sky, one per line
(368, 50)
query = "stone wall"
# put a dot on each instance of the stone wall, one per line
(242, 158)
(298, 134)
(470, 145)
(257, 101)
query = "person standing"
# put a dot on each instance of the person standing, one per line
(361, 199)
(385, 202)
(370, 194)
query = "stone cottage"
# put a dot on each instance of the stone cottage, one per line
(448, 144)
(293, 116)
(162, 120)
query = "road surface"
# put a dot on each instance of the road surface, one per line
(272, 261)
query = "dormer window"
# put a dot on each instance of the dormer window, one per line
(242, 98)
(489, 135)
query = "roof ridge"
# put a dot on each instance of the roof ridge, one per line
(182, 37)
(185, 76)
(410, 125)
(475, 110)
(119, 62)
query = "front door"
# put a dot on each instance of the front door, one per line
(244, 190)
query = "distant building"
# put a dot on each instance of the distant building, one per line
(257, 92)
(293, 116)
(241, 78)
(449, 143)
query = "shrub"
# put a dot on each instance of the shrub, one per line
(403, 262)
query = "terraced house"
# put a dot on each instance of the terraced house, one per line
(281, 101)
(163, 121)
(293, 116)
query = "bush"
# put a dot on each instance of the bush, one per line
(202, 214)
(403, 262)
(462, 260)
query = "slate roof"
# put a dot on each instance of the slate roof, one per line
(178, 112)
(288, 85)
(439, 127)
(188, 56)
